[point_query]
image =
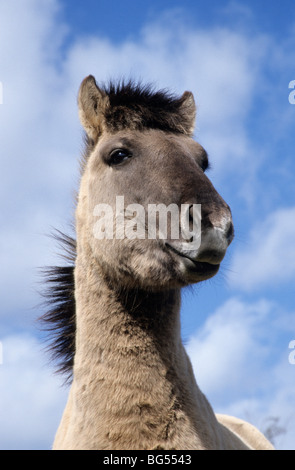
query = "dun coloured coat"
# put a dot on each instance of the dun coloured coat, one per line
(115, 314)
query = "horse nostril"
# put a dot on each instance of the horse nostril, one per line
(230, 233)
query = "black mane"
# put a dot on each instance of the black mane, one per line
(137, 106)
(59, 321)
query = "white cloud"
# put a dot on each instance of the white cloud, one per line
(31, 399)
(220, 350)
(39, 144)
(268, 257)
(241, 365)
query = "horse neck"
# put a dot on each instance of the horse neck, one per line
(132, 381)
(124, 331)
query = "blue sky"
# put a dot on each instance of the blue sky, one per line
(238, 59)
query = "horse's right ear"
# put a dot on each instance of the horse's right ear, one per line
(92, 102)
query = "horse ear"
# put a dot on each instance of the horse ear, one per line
(188, 110)
(92, 102)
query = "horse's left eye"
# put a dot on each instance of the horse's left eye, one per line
(119, 156)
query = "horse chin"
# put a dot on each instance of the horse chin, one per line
(192, 269)
(197, 271)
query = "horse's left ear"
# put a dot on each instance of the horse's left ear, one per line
(92, 102)
(188, 111)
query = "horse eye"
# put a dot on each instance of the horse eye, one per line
(119, 156)
(205, 165)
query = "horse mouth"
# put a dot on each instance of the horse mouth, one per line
(200, 269)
